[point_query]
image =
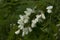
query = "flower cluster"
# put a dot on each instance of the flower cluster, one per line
(25, 19)
(37, 19)
(49, 9)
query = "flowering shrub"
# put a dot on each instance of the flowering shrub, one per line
(26, 23)
(29, 20)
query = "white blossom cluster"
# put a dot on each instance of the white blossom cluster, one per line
(25, 19)
(37, 19)
(49, 9)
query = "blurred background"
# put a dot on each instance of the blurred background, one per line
(9, 14)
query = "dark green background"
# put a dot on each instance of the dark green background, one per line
(9, 14)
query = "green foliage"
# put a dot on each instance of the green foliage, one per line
(9, 14)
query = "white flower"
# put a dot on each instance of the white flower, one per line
(21, 26)
(26, 19)
(49, 7)
(30, 10)
(38, 16)
(43, 16)
(29, 29)
(27, 13)
(33, 21)
(49, 11)
(23, 33)
(33, 25)
(26, 30)
(20, 22)
(17, 32)
(36, 20)
(21, 17)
